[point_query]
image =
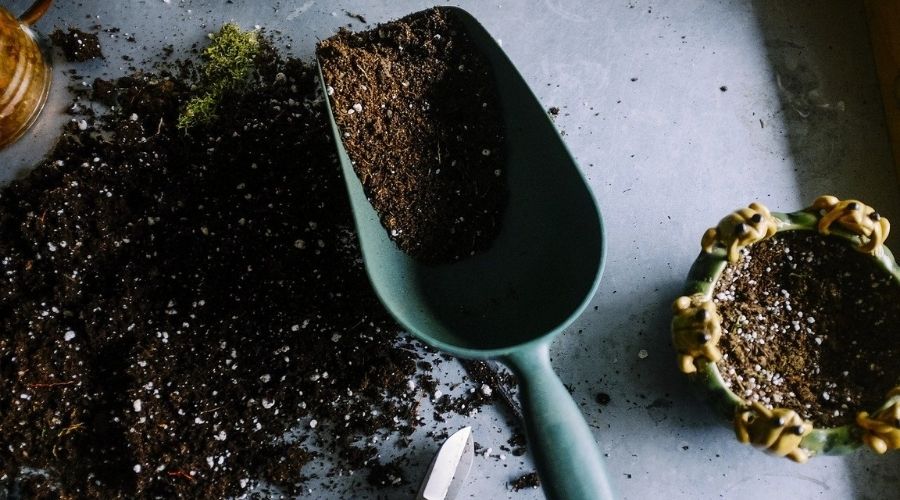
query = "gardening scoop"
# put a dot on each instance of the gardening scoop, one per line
(511, 300)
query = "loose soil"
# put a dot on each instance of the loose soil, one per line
(187, 315)
(77, 46)
(602, 398)
(809, 324)
(526, 481)
(419, 115)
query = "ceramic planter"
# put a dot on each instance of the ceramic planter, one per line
(696, 330)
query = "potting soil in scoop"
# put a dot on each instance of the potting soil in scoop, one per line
(417, 108)
(809, 324)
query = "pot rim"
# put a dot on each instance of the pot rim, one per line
(705, 272)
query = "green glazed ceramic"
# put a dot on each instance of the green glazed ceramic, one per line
(704, 274)
(511, 300)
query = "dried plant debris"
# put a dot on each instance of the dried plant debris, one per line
(809, 324)
(77, 45)
(358, 17)
(185, 314)
(420, 119)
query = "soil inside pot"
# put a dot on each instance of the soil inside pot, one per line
(809, 324)
(420, 119)
(174, 304)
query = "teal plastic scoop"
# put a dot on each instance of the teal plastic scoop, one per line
(511, 300)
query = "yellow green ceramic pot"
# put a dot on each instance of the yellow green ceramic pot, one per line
(696, 330)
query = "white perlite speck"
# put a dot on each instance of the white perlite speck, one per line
(268, 403)
(69, 335)
(137, 469)
(357, 107)
(643, 353)
(486, 390)
(138, 405)
(313, 423)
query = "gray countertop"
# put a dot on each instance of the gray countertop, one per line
(667, 153)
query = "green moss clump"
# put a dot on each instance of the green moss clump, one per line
(229, 61)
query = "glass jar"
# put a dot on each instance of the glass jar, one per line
(24, 73)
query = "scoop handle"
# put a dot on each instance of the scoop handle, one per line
(568, 460)
(35, 12)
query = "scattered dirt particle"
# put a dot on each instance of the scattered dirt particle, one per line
(526, 481)
(602, 398)
(389, 474)
(77, 46)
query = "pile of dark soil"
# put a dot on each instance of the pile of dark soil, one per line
(77, 46)
(186, 314)
(419, 115)
(809, 324)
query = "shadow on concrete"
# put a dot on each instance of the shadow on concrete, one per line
(832, 119)
(831, 108)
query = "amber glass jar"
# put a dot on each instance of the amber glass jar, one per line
(24, 73)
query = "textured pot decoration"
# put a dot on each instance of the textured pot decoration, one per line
(698, 331)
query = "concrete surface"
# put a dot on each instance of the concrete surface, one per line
(667, 153)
